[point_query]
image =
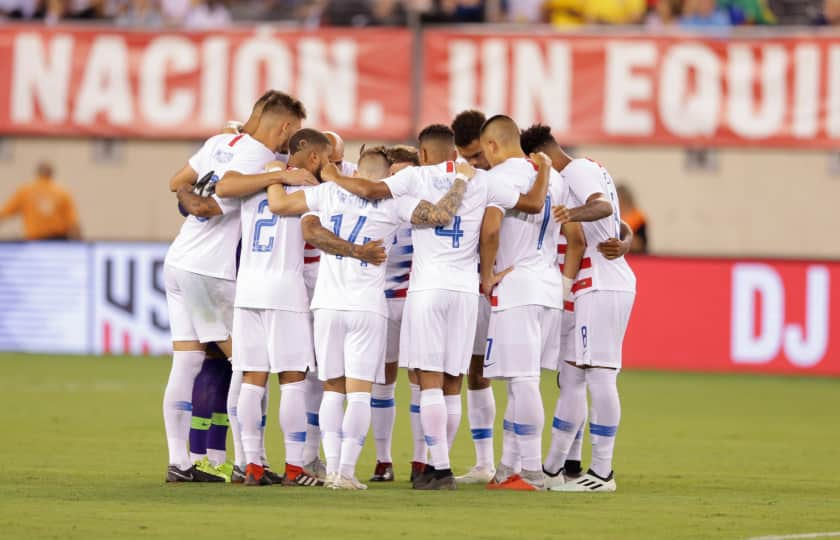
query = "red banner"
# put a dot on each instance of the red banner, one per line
(687, 90)
(721, 315)
(112, 83)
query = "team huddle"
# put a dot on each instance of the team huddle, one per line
(485, 251)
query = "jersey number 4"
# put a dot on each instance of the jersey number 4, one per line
(258, 226)
(354, 234)
(456, 233)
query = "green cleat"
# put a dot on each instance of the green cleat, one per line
(206, 467)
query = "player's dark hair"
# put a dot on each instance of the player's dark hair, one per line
(467, 126)
(284, 103)
(307, 138)
(400, 153)
(438, 132)
(535, 138)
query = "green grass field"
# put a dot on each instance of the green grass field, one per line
(698, 456)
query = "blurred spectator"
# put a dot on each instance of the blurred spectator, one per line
(634, 217)
(208, 15)
(47, 209)
(525, 11)
(663, 13)
(830, 14)
(748, 11)
(448, 11)
(139, 13)
(175, 11)
(347, 13)
(796, 12)
(703, 13)
(21, 9)
(576, 12)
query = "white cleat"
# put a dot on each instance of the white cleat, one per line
(317, 467)
(555, 483)
(590, 482)
(330, 479)
(477, 475)
(344, 483)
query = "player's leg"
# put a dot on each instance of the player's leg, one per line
(383, 415)
(572, 467)
(238, 474)
(569, 415)
(481, 404)
(433, 418)
(311, 449)
(354, 428)
(419, 449)
(452, 396)
(202, 410)
(509, 463)
(219, 422)
(462, 316)
(329, 331)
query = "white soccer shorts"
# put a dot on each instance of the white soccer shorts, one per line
(601, 319)
(200, 307)
(392, 342)
(272, 340)
(520, 340)
(482, 323)
(350, 344)
(568, 345)
(438, 331)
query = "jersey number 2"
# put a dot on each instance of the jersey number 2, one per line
(265, 222)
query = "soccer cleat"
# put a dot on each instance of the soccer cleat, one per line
(477, 475)
(417, 469)
(298, 476)
(330, 480)
(226, 470)
(427, 474)
(255, 475)
(572, 470)
(554, 481)
(349, 484)
(440, 481)
(591, 482)
(237, 475)
(174, 474)
(273, 477)
(384, 472)
(503, 472)
(317, 467)
(206, 467)
(516, 483)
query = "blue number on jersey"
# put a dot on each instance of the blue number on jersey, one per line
(583, 337)
(616, 216)
(546, 218)
(336, 221)
(265, 222)
(455, 232)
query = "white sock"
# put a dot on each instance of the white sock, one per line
(250, 421)
(177, 404)
(331, 416)
(510, 449)
(264, 406)
(314, 393)
(354, 429)
(382, 415)
(528, 421)
(453, 418)
(569, 415)
(481, 413)
(233, 417)
(216, 457)
(606, 414)
(433, 416)
(420, 448)
(577, 445)
(293, 420)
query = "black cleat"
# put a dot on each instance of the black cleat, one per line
(439, 481)
(572, 469)
(427, 475)
(272, 476)
(384, 472)
(237, 476)
(417, 469)
(174, 474)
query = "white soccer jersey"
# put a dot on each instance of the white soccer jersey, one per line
(207, 246)
(527, 242)
(584, 178)
(271, 264)
(345, 283)
(447, 257)
(348, 168)
(398, 266)
(311, 261)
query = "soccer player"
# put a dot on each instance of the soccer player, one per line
(527, 304)
(481, 405)
(271, 125)
(604, 295)
(442, 302)
(209, 423)
(271, 325)
(538, 138)
(349, 304)
(347, 168)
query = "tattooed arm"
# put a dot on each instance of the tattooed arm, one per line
(322, 238)
(197, 205)
(441, 213)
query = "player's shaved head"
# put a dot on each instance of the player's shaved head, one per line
(374, 163)
(500, 139)
(437, 144)
(309, 149)
(337, 143)
(402, 156)
(306, 138)
(281, 117)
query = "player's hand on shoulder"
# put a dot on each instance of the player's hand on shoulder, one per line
(561, 214)
(372, 252)
(330, 172)
(299, 177)
(541, 159)
(465, 169)
(612, 248)
(273, 166)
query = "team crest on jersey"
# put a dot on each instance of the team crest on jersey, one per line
(222, 155)
(442, 183)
